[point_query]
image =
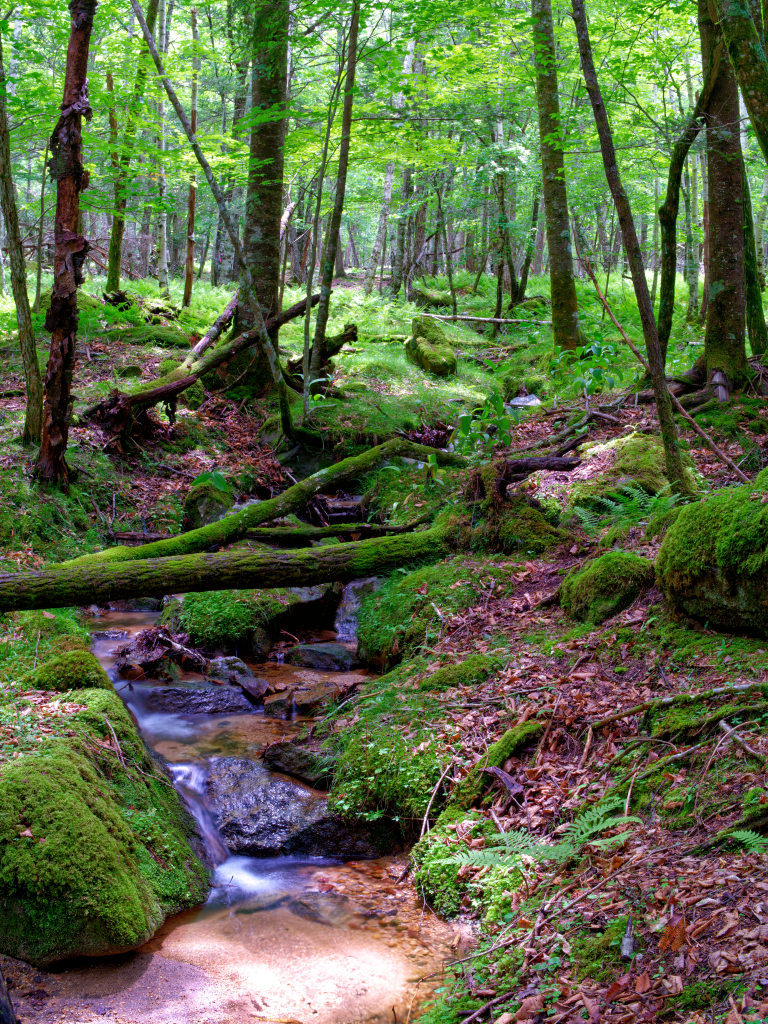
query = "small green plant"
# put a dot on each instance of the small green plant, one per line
(753, 842)
(591, 367)
(215, 479)
(631, 506)
(487, 424)
(512, 847)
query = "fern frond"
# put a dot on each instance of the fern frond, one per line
(752, 841)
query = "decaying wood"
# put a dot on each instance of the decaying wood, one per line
(513, 471)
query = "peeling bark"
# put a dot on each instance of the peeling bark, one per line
(66, 167)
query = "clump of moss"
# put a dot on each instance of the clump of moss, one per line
(395, 620)
(437, 872)
(712, 562)
(470, 789)
(194, 396)
(635, 460)
(516, 527)
(93, 854)
(598, 956)
(474, 669)
(604, 586)
(429, 348)
(72, 670)
(204, 504)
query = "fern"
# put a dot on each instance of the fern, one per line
(511, 848)
(630, 506)
(751, 841)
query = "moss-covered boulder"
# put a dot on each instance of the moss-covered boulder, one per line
(429, 348)
(604, 586)
(205, 503)
(70, 670)
(713, 561)
(245, 621)
(635, 460)
(515, 526)
(94, 851)
(430, 298)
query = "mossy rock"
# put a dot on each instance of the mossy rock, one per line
(604, 586)
(473, 670)
(244, 621)
(471, 789)
(157, 335)
(516, 527)
(635, 460)
(430, 298)
(72, 670)
(713, 560)
(205, 504)
(130, 371)
(430, 349)
(194, 396)
(93, 856)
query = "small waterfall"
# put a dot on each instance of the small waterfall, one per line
(346, 614)
(189, 780)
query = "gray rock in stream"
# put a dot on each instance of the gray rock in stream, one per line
(197, 700)
(260, 814)
(227, 669)
(329, 657)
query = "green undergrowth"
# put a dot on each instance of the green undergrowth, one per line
(31, 638)
(406, 613)
(399, 493)
(604, 586)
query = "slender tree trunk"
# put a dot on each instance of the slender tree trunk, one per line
(705, 246)
(71, 248)
(3, 283)
(565, 312)
(448, 264)
(41, 231)
(531, 247)
(339, 268)
(673, 460)
(162, 213)
(122, 183)
(538, 260)
(378, 244)
(655, 282)
(756, 328)
(334, 226)
(691, 269)
(759, 233)
(204, 255)
(144, 241)
(724, 337)
(33, 416)
(402, 224)
(190, 267)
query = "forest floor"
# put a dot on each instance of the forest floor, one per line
(536, 937)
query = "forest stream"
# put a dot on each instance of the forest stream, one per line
(286, 938)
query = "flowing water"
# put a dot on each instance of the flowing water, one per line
(280, 939)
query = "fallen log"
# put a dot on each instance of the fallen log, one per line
(101, 582)
(234, 527)
(485, 319)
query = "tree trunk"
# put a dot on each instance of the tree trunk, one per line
(724, 337)
(378, 244)
(565, 313)
(234, 527)
(41, 232)
(756, 328)
(33, 417)
(398, 261)
(655, 283)
(669, 211)
(162, 213)
(204, 254)
(154, 577)
(122, 183)
(71, 248)
(674, 465)
(442, 231)
(334, 227)
(531, 247)
(190, 266)
(759, 233)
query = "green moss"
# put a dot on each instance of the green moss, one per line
(204, 504)
(475, 669)
(436, 870)
(81, 884)
(429, 348)
(598, 957)
(516, 527)
(194, 396)
(701, 995)
(689, 717)
(470, 790)
(636, 459)
(72, 670)
(604, 586)
(156, 335)
(401, 616)
(712, 562)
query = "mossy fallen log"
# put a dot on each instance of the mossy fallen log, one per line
(234, 527)
(99, 582)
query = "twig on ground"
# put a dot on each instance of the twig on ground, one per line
(732, 734)
(425, 822)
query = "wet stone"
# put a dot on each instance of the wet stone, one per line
(278, 705)
(310, 701)
(197, 700)
(300, 762)
(329, 657)
(227, 669)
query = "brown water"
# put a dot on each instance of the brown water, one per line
(280, 939)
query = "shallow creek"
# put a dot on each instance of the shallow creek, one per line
(280, 939)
